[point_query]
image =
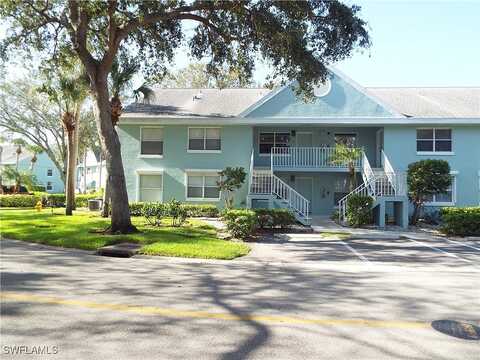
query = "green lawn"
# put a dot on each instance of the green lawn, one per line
(195, 239)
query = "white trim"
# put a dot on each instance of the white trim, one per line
(205, 151)
(140, 155)
(147, 119)
(274, 132)
(203, 173)
(443, 153)
(140, 172)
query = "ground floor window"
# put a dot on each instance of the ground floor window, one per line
(150, 188)
(49, 186)
(203, 186)
(446, 198)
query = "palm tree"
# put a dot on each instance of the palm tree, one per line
(69, 89)
(349, 156)
(20, 178)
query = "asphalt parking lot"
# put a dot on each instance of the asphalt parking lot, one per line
(415, 251)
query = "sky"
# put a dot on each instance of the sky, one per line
(414, 43)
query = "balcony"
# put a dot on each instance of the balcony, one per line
(309, 159)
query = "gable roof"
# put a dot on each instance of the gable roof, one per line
(429, 102)
(222, 103)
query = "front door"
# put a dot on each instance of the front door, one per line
(304, 139)
(304, 185)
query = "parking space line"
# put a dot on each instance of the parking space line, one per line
(440, 250)
(458, 242)
(360, 256)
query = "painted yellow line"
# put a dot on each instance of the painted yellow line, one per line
(171, 312)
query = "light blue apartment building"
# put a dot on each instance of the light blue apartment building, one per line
(175, 145)
(45, 171)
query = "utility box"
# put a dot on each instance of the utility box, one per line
(95, 204)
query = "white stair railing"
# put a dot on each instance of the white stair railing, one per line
(265, 183)
(397, 180)
(290, 196)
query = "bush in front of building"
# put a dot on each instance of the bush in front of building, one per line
(359, 210)
(201, 210)
(136, 208)
(274, 218)
(153, 213)
(241, 223)
(461, 221)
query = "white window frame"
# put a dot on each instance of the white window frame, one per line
(274, 132)
(49, 172)
(434, 131)
(204, 151)
(141, 172)
(201, 172)
(49, 187)
(151, 156)
(454, 193)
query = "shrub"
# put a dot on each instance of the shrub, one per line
(81, 200)
(56, 200)
(359, 210)
(176, 211)
(153, 213)
(136, 208)
(201, 210)
(26, 200)
(240, 223)
(461, 221)
(269, 218)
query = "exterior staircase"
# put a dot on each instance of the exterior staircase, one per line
(379, 183)
(280, 194)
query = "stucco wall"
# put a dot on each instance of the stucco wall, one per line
(400, 147)
(236, 151)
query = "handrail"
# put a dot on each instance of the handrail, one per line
(367, 172)
(296, 201)
(250, 175)
(306, 157)
(396, 180)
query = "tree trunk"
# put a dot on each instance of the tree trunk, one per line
(70, 183)
(85, 171)
(106, 199)
(121, 221)
(75, 148)
(416, 212)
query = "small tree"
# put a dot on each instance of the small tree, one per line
(345, 155)
(426, 178)
(231, 179)
(19, 177)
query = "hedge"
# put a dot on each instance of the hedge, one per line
(241, 223)
(55, 200)
(461, 221)
(273, 218)
(193, 210)
(19, 200)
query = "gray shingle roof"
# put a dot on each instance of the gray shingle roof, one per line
(9, 154)
(441, 102)
(197, 102)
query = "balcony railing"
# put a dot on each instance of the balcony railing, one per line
(308, 158)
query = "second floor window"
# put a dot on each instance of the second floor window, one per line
(152, 141)
(349, 140)
(49, 172)
(434, 140)
(204, 139)
(268, 140)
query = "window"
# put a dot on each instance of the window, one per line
(151, 141)
(150, 188)
(349, 140)
(267, 140)
(49, 172)
(434, 140)
(49, 186)
(446, 198)
(203, 186)
(204, 139)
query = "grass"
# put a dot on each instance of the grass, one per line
(335, 234)
(195, 239)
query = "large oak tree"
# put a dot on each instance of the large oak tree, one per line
(299, 38)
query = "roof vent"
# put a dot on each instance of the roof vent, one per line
(198, 96)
